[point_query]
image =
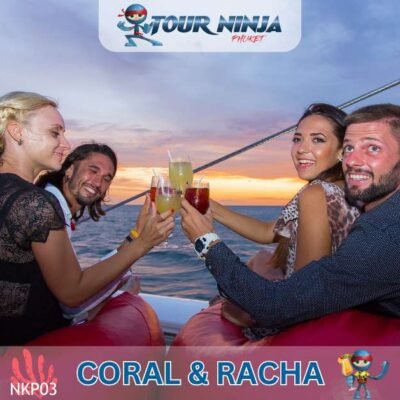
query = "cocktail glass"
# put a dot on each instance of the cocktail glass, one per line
(167, 196)
(180, 171)
(198, 195)
(153, 187)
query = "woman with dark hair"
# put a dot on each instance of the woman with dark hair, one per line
(314, 223)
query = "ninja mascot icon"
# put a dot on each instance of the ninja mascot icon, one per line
(135, 15)
(355, 368)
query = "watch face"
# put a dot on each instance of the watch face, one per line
(199, 245)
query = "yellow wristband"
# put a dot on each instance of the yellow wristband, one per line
(134, 233)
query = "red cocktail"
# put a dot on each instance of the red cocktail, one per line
(198, 194)
(153, 188)
(153, 191)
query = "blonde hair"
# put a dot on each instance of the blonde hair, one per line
(17, 106)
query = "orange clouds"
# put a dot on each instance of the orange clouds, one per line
(229, 189)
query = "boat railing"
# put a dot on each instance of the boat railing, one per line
(347, 104)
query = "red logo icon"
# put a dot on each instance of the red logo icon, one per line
(31, 378)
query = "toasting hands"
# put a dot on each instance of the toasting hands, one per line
(195, 224)
(155, 227)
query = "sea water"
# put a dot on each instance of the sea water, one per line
(171, 269)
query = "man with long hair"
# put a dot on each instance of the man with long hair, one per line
(83, 181)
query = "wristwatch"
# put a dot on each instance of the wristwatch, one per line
(202, 243)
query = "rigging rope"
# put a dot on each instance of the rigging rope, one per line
(261, 141)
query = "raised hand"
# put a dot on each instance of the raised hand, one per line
(156, 229)
(195, 224)
(144, 214)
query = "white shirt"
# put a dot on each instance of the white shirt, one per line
(80, 313)
(64, 205)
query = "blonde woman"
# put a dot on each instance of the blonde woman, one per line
(38, 268)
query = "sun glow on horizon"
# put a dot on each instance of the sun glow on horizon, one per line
(225, 188)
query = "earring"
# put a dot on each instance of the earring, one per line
(20, 141)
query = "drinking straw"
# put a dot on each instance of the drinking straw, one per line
(169, 155)
(201, 178)
(154, 172)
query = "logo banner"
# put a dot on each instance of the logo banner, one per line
(200, 26)
(234, 373)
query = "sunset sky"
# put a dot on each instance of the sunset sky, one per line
(206, 104)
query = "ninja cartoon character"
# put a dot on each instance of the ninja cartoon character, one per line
(355, 368)
(136, 14)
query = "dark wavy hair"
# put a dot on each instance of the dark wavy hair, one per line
(337, 118)
(335, 173)
(79, 154)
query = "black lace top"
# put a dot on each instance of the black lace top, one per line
(27, 307)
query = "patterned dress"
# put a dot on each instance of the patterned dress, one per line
(341, 217)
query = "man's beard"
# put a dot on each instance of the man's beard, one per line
(81, 200)
(85, 201)
(386, 185)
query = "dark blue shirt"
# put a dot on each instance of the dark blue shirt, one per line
(365, 271)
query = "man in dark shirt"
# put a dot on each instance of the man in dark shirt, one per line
(365, 270)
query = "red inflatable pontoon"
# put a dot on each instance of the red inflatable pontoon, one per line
(125, 320)
(350, 327)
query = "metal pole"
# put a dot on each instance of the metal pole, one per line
(261, 141)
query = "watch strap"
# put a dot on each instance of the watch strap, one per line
(202, 243)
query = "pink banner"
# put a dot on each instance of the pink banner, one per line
(199, 373)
